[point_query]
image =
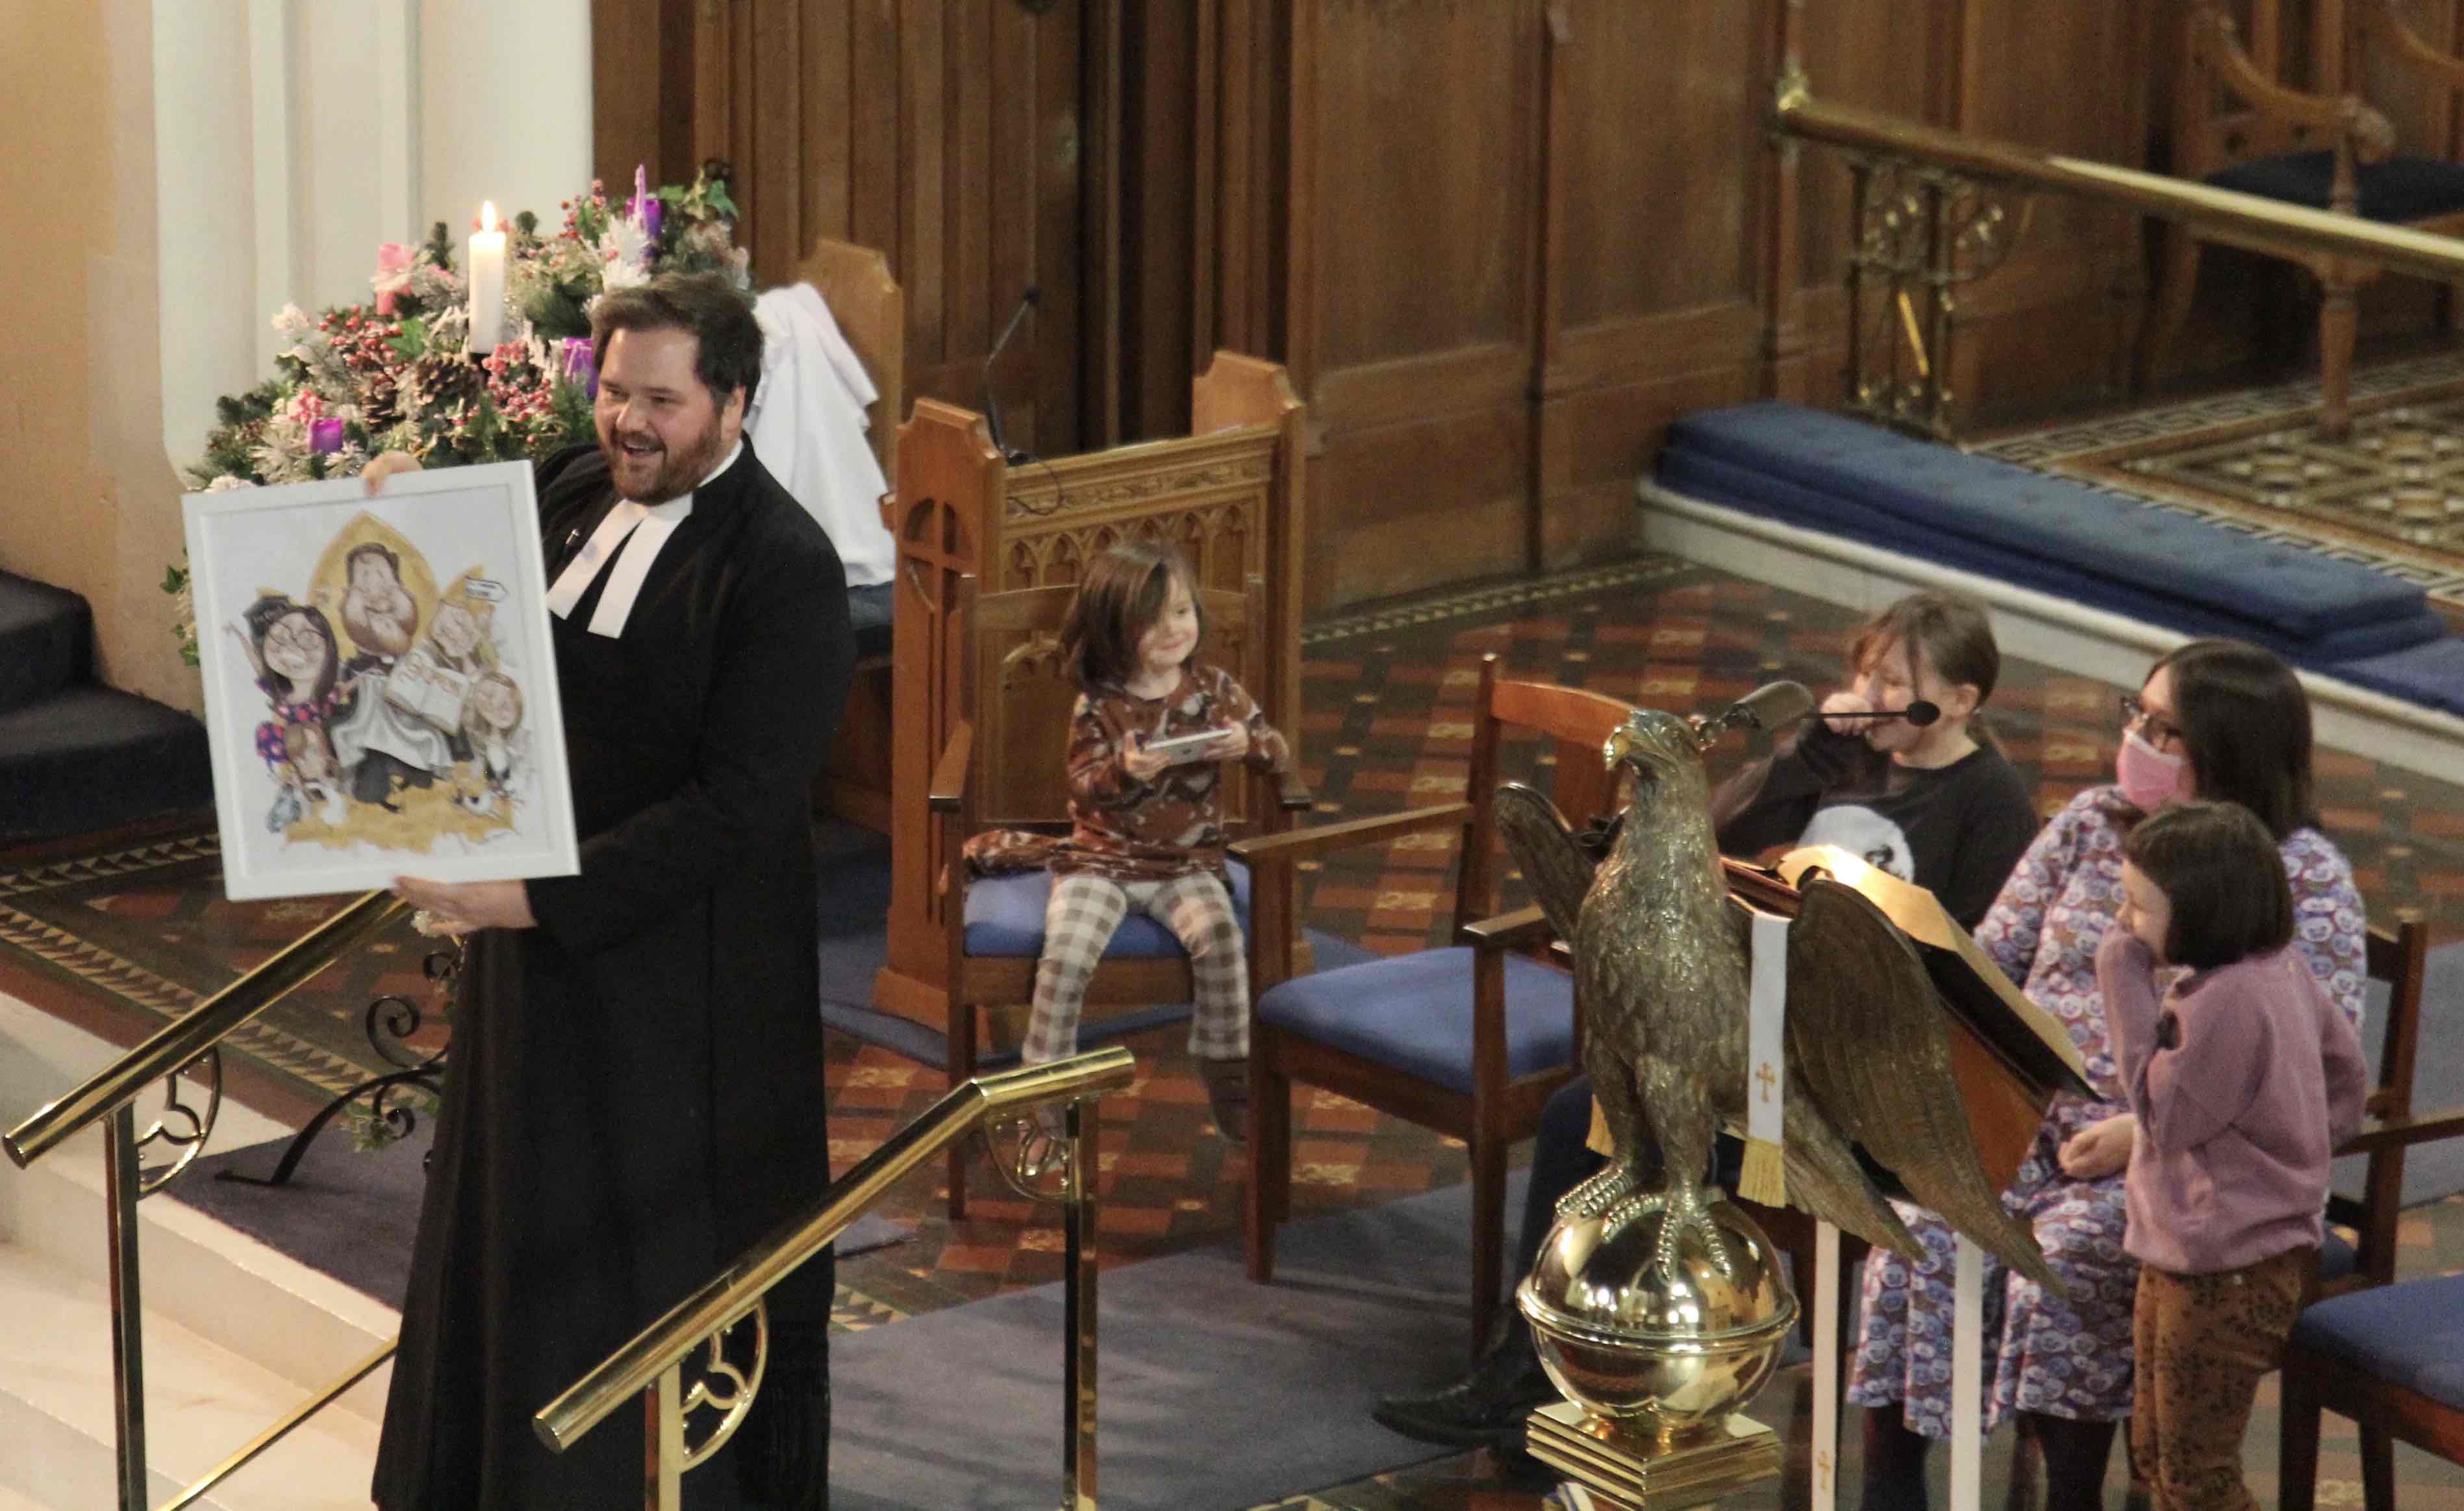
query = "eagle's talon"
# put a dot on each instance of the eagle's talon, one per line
(1598, 1194)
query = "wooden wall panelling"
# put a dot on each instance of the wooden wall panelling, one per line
(946, 133)
(2055, 321)
(1412, 191)
(1878, 54)
(1652, 266)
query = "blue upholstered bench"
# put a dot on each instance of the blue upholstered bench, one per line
(1845, 478)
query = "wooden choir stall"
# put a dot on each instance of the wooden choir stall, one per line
(1228, 497)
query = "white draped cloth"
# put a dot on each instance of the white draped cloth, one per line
(808, 426)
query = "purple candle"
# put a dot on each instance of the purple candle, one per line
(579, 367)
(324, 436)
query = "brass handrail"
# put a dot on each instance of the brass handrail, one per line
(732, 1293)
(181, 1042)
(1798, 112)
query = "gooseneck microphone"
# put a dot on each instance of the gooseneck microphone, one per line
(1775, 704)
(1918, 713)
(992, 401)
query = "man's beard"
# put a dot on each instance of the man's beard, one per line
(680, 471)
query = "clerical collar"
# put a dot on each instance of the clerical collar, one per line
(642, 530)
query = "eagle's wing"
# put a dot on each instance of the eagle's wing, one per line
(1543, 844)
(1867, 1037)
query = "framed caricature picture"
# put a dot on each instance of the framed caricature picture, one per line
(381, 691)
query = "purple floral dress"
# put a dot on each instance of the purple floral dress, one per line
(2066, 1357)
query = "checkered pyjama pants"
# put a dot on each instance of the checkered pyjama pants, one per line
(1080, 921)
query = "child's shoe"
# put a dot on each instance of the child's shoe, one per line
(1227, 1093)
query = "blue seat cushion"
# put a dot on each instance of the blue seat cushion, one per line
(2079, 576)
(1413, 1012)
(1006, 919)
(2398, 190)
(869, 616)
(2409, 1334)
(2430, 674)
(1932, 500)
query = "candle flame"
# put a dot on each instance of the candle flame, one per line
(487, 214)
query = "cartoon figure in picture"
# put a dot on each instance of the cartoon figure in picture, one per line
(290, 647)
(454, 654)
(309, 776)
(378, 610)
(391, 737)
(491, 724)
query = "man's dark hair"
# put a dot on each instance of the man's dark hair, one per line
(1123, 594)
(717, 314)
(2221, 870)
(370, 548)
(2246, 725)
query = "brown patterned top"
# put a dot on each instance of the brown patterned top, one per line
(1141, 831)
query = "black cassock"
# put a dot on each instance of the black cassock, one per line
(635, 1090)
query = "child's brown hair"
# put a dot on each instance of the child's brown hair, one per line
(1123, 594)
(2220, 869)
(1951, 632)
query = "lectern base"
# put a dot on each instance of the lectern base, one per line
(1628, 1471)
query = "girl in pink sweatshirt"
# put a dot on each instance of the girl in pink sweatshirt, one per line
(2244, 1077)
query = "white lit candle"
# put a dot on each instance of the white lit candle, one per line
(487, 265)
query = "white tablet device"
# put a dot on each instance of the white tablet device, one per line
(1187, 747)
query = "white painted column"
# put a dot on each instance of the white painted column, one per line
(1826, 1366)
(292, 136)
(504, 108)
(1967, 1379)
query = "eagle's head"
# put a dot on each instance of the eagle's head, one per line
(1657, 745)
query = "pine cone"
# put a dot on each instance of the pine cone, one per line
(440, 381)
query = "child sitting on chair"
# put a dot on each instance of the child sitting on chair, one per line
(1147, 817)
(2245, 1076)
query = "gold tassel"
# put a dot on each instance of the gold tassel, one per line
(1763, 1180)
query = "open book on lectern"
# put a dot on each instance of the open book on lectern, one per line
(2010, 1055)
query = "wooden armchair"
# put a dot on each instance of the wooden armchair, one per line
(1468, 1040)
(1022, 695)
(2380, 1351)
(2326, 150)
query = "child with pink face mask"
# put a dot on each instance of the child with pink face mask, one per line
(2243, 1078)
(2215, 720)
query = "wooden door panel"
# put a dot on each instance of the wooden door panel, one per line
(947, 133)
(1413, 199)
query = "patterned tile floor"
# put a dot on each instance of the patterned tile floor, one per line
(2391, 494)
(1385, 724)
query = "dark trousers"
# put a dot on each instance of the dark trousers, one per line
(1561, 1160)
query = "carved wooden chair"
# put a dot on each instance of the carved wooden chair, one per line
(1469, 1038)
(871, 312)
(2325, 150)
(1021, 695)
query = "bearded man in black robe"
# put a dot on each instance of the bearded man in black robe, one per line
(635, 1093)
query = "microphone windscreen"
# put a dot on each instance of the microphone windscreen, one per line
(1921, 714)
(1777, 705)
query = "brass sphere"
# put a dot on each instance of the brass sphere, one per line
(1671, 1354)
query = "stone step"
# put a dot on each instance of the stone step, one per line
(208, 1279)
(202, 1401)
(91, 757)
(46, 640)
